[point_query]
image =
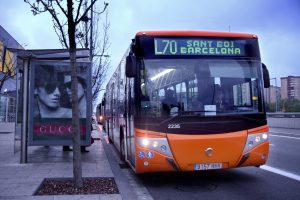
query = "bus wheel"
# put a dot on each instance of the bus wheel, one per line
(122, 144)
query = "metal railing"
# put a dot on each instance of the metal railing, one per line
(284, 115)
(7, 109)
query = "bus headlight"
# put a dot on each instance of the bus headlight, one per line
(160, 145)
(265, 136)
(155, 144)
(255, 139)
(145, 142)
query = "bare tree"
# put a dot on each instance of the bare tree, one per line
(101, 60)
(66, 20)
(99, 45)
(7, 65)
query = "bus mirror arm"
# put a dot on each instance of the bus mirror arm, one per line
(266, 76)
(130, 68)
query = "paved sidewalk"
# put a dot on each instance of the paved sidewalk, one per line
(20, 181)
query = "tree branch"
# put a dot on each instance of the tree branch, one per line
(48, 7)
(85, 12)
(78, 10)
(59, 26)
(101, 63)
(35, 9)
(61, 8)
(105, 5)
(60, 37)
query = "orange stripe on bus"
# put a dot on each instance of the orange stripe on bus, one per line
(260, 129)
(153, 134)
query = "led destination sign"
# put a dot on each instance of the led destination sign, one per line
(191, 46)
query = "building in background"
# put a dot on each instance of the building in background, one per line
(272, 94)
(290, 87)
(8, 77)
(8, 45)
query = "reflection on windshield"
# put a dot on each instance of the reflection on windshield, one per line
(171, 87)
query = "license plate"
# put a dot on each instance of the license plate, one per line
(206, 166)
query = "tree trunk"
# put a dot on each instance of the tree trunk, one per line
(77, 168)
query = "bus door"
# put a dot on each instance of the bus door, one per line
(130, 122)
(112, 115)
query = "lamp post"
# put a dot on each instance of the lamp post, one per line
(6, 105)
(276, 93)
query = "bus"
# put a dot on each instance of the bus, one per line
(189, 101)
(100, 112)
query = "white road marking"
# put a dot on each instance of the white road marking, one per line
(285, 136)
(271, 144)
(281, 172)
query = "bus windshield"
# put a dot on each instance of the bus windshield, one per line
(171, 87)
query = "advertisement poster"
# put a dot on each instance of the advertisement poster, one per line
(50, 103)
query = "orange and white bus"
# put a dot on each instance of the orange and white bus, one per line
(189, 101)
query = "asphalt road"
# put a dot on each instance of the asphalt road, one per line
(242, 183)
(285, 150)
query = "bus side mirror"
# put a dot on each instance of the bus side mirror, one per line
(130, 68)
(266, 76)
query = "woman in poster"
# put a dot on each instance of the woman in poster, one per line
(81, 95)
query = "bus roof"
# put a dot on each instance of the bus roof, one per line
(196, 33)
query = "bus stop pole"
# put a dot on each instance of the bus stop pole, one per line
(25, 114)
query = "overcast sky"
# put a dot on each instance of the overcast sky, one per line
(276, 22)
